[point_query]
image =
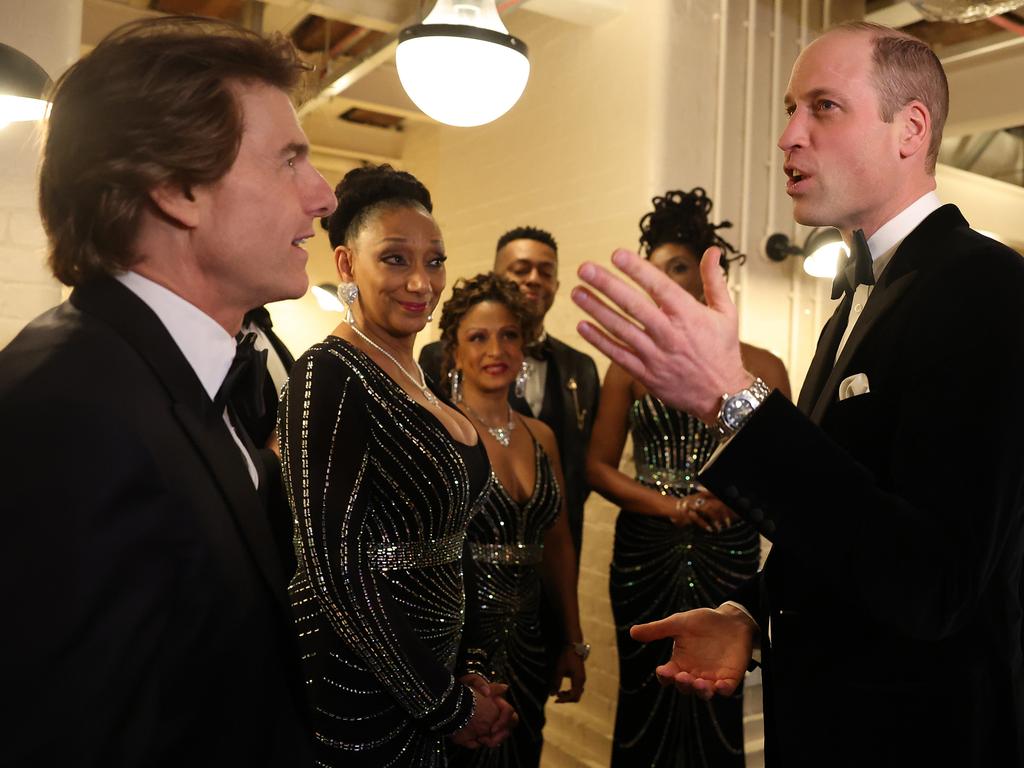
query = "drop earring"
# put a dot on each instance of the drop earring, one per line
(455, 384)
(521, 379)
(347, 294)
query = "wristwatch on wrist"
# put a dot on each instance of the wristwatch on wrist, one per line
(580, 649)
(737, 409)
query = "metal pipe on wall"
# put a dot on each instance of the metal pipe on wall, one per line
(747, 162)
(723, 24)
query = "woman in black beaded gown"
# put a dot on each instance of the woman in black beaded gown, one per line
(382, 477)
(676, 545)
(518, 542)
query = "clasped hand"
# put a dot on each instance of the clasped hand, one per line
(493, 718)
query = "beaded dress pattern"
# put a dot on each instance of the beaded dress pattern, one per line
(381, 495)
(658, 569)
(503, 593)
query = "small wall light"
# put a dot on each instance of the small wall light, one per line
(326, 295)
(821, 250)
(461, 66)
(23, 87)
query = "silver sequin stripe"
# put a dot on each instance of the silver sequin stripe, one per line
(415, 554)
(507, 554)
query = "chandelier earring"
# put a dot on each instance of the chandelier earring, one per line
(521, 378)
(347, 294)
(455, 384)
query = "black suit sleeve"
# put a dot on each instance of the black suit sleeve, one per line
(430, 362)
(915, 533)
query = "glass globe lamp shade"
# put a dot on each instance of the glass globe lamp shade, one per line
(460, 66)
(824, 248)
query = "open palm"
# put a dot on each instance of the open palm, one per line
(711, 653)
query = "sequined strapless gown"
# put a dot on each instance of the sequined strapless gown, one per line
(503, 592)
(382, 496)
(658, 569)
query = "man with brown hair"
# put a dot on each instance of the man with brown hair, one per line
(147, 614)
(889, 610)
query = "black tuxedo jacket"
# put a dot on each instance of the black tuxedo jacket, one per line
(570, 405)
(145, 607)
(893, 588)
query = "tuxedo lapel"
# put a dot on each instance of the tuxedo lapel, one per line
(112, 303)
(824, 355)
(881, 300)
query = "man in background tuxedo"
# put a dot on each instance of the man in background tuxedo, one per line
(562, 388)
(147, 619)
(889, 610)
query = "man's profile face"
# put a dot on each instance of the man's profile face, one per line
(533, 266)
(841, 159)
(254, 220)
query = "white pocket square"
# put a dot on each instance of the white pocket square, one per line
(854, 385)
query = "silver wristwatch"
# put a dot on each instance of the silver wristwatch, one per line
(737, 409)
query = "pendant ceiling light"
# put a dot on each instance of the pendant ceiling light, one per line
(461, 66)
(23, 87)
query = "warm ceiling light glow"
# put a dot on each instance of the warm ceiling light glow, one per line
(460, 66)
(824, 260)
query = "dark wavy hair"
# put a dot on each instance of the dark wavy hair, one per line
(683, 218)
(366, 191)
(542, 236)
(152, 104)
(467, 294)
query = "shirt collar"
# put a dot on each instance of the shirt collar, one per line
(207, 347)
(886, 240)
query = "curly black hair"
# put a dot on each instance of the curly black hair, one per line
(365, 191)
(466, 294)
(683, 218)
(527, 233)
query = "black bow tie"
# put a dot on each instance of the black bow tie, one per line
(259, 317)
(540, 350)
(857, 270)
(243, 385)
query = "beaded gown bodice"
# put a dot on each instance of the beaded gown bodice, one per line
(382, 496)
(658, 569)
(503, 598)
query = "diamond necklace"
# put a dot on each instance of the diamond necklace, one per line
(501, 433)
(421, 385)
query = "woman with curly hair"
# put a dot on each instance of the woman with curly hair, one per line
(383, 476)
(676, 546)
(518, 543)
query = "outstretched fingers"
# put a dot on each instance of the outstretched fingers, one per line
(716, 291)
(628, 298)
(655, 630)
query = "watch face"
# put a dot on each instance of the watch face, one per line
(735, 411)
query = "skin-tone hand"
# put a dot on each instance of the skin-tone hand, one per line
(493, 717)
(685, 353)
(704, 510)
(711, 653)
(569, 665)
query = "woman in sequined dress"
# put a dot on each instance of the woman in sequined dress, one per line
(519, 541)
(676, 546)
(382, 477)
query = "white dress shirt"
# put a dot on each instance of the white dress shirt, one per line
(206, 346)
(537, 380)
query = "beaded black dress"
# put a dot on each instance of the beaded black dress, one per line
(382, 496)
(658, 569)
(503, 591)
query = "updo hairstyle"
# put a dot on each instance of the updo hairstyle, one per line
(683, 218)
(467, 294)
(364, 192)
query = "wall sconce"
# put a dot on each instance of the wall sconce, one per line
(326, 295)
(821, 250)
(23, 87)
(460, 66)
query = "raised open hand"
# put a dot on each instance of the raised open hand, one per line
(711, 653)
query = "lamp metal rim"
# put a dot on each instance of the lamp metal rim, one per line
(466, 31)
(21, 76)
